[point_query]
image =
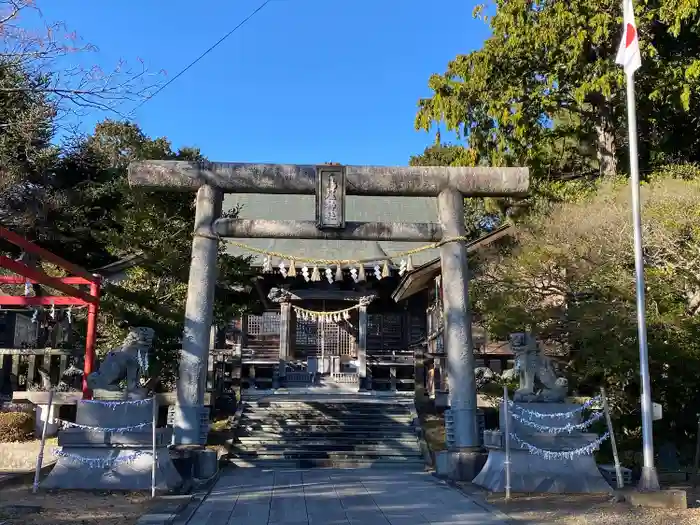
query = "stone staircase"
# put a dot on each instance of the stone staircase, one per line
(335, 431)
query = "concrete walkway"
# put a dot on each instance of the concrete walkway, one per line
(337, 497)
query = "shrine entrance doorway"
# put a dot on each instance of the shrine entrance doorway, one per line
(327, 347)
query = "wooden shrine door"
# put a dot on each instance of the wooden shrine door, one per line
(323, 340)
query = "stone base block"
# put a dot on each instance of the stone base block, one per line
(118, 394)
(459, 465)
(364, 384)
(661, 499)
(442, 399)
(68, 473)
(206, 463)
(534, 474)
(142, 438)
(43, 413)
(99, 415)
(187, 424)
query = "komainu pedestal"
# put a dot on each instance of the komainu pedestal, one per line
(109, 447)
(533, 473)
(541, 393)
(109, 460)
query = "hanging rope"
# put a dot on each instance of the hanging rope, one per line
(343, 262)
(357, 270)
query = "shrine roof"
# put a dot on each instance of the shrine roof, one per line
(424, 275)
(503, 348)
(358, 208)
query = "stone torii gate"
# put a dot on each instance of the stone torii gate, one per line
(330, 184)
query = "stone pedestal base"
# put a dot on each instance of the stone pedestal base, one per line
(43, 413)
(534, 474)
(659, 499)
(459, 465)
(364, 384)
(190, 424)
(97, 442)
(104, 394)
(69, 473)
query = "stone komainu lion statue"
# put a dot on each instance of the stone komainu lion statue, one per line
(539, 382)
(483, 375)
(125, 363)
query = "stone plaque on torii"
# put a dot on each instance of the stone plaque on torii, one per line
(330, 184)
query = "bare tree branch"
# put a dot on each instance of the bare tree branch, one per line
(47, 55)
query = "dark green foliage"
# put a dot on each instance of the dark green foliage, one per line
(103, 219)
(570, 279)
(92, 217)
(543, 91)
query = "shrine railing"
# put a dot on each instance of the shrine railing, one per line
(299, 377)
(260, 354)
(19, 367)
(261, 347)
(344, 378)
(390, 357)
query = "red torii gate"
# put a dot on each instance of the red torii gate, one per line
(74, 295)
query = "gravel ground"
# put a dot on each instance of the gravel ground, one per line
(18, 506)
(22, 455)
(588, 509)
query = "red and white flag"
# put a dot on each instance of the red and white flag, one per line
(628, 55)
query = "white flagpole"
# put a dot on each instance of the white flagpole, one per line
(649, 480)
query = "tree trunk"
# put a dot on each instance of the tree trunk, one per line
(606, 151)
(605, 145)
(693, 301)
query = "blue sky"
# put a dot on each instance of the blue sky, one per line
(304, 81)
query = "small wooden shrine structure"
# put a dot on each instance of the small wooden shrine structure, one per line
(80, 288)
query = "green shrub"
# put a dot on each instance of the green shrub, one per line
(16, 426)
(681, 171)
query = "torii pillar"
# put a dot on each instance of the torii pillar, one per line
(449, 185)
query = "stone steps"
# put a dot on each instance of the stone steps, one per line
(336, 432)
(296, 402)
(332, 431)
(331, 448)
(414, 464)
(320, 421)
(330, 427)
(267, 412)
(324, 440)
(344, 401)
(294, 424)
(305, 416)
(388, 455)
(351, 411)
